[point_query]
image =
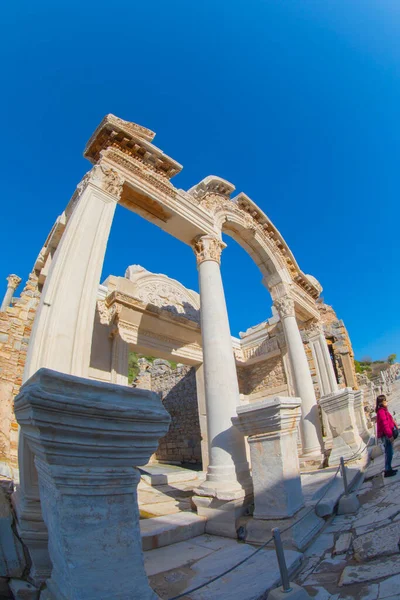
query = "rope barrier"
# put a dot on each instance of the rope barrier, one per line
(312, 509)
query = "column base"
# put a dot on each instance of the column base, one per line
(311, 461)
(222, 515)
(227, 483)
(303, 529)
(33, 532)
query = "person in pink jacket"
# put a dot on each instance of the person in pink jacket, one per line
(384, 430)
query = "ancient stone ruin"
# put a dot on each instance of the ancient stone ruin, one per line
(249, 412)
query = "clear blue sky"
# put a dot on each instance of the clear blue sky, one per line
(296, 102)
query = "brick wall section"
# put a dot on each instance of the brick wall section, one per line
(15, 330)
(262, 375)
(313, 371)
(177, 390)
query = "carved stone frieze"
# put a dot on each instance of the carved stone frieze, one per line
(105, 178)
(313, 329)
(139, 170)
(285, 307)
(170, 298)
(208, 247)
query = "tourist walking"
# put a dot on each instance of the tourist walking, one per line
(387, 431)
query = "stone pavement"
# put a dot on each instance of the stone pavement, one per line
(357, 556)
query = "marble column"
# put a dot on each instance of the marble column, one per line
(13, 283)
(271, 427)
(310, 426)
(119, 359)
(88, 438)
(228, 470)
(323, 363)
(62, 333)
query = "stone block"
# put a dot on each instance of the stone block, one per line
(382, 541)
(271, 427)
(339, 409)
(348, 505)
(305, 525)
(343, 543)
(221, 515)
(171, 529)
(12, 560)
(371, 571)
(296, 593)
(23, 590)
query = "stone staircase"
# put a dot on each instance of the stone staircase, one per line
(164, 495)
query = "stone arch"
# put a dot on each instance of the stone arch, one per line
(131, 171)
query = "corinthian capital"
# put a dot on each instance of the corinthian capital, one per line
(208, 247)
(105, 178)
(285, 306)
(13, 281)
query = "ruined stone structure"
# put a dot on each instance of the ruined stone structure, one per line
(278, 379)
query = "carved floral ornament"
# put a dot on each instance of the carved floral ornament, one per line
(208, 247)
(13, 281)
(103, 177)
(314, 329)
(171, 298)
(285, 306)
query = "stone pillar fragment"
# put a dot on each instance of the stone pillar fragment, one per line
(361, 419)
(310, 426)
(88, 437)
(271, 427)
(119, 360)
(62, 332)
(339, 409)
(13, 283)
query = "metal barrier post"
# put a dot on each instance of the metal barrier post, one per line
(344, 475)
(281, 560)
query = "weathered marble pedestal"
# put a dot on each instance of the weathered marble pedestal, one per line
(361, 419)
(339, 408)
(88, 438)
(271, 427)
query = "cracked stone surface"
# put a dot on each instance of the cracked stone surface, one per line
(357, 557)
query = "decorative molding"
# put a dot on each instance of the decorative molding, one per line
(132, 140)
(169, 297)
(285, 307)
(103, 177)
(108, 314)
(314, 329)
(140, 170)
(208, 247)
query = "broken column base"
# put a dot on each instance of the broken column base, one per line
(348, 505)
(311, 462)
(304, 526)
(296, 593)
(222, 515)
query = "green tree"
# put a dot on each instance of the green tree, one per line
(391, 359)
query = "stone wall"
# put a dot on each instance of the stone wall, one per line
(177, 390)
(15, 329)
(262, 376)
